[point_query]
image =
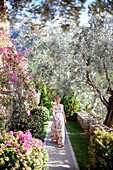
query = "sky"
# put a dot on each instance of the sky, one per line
(83, 17)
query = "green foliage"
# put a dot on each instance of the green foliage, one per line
(2, 127)
(33, 122)
(44, 99)
(20, 151)
(42, 112)
(101, 150)
(71, 105)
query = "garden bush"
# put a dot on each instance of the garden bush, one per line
(21, 151)
(71, 105)
(2, 127)
(42, 112)
(33, 122)
(44, 99)
(101, 151)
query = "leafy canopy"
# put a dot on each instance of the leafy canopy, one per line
(48, 10)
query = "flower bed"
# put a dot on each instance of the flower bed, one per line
(21, 151)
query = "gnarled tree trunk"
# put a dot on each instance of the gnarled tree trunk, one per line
(109, 117)
(109, 104)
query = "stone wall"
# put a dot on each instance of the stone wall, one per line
(90, 124)
(85, 121)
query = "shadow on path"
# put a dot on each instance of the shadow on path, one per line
(60, 158)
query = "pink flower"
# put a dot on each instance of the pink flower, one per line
(2, 147)
(29, 114)
(9, 48)
(39, 144)
(43, 144)
(10, 133)
(15, 167)
(24, 59)
(8, 143)
(34, 144)
(18, 151)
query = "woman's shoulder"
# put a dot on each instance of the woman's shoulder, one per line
(61, 105)
(54, 106)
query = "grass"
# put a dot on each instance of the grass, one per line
(79, 141)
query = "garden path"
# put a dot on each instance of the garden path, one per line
(60, 158)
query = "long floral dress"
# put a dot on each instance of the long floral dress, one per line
(58, 127)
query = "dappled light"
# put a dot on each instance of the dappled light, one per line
(56, 84)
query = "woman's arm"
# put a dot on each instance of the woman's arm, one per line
(64, 114)
(53, 113)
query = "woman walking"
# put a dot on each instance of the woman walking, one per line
(58, 125)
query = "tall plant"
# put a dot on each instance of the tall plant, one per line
(44, 99)
(71, 105)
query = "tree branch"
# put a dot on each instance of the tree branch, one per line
(103, 100)
(106, 72)
(91, 109)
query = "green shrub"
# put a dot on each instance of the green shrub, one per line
(21, 151)
(42, 112)
(2, 127)
(101, 151)
(33, 122)
(44, 99)
(71, 105)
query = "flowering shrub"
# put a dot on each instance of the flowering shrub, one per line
(13, 74)
(21, 151)
(34, 121)
(16, 83)
(101, 150)
(4, 40)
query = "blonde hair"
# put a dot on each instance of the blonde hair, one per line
(57, 97)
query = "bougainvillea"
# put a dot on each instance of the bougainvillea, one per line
(21, 151)
(14, 77)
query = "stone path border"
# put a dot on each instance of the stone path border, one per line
(72, 152)
(60, 158)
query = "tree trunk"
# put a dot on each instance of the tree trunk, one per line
(109, 104)
(109, 117)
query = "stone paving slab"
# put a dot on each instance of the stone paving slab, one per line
(60, 158)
